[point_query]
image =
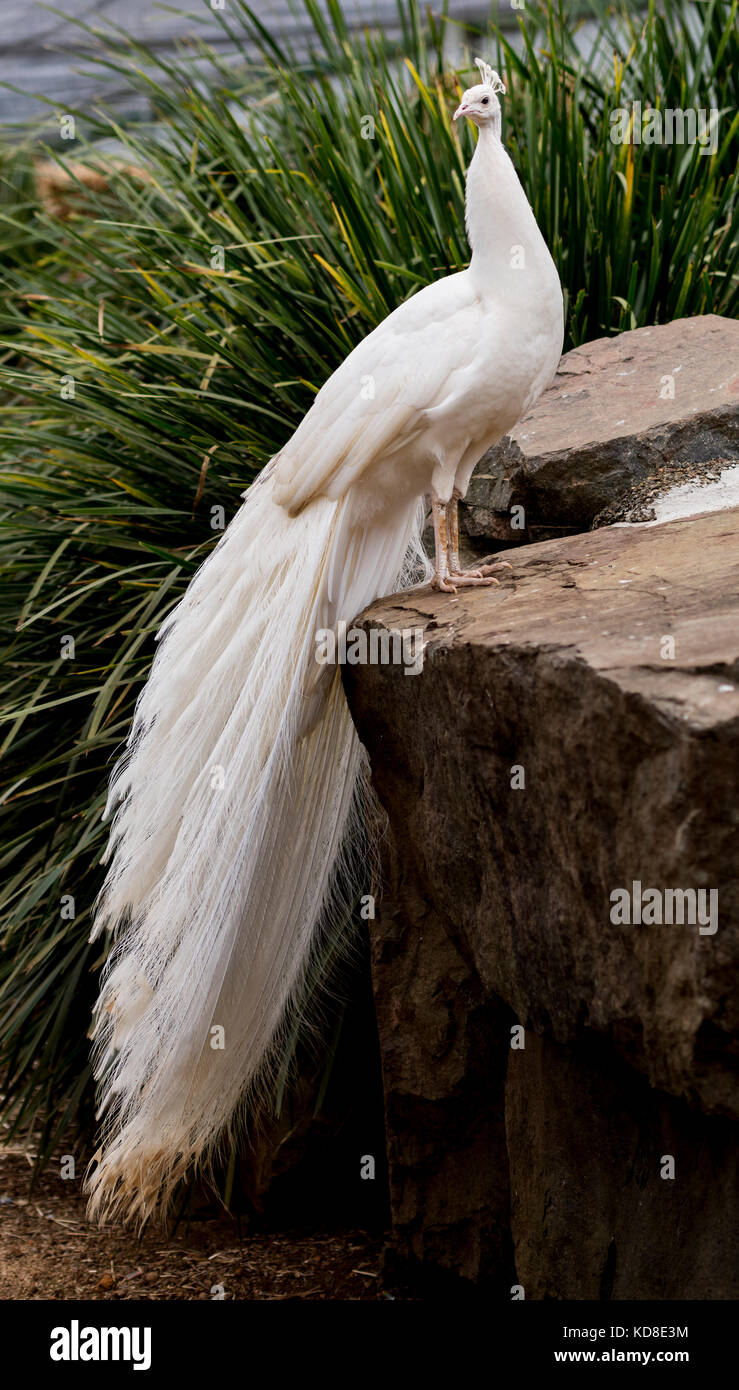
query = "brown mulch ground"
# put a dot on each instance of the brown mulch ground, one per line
(48, 1250)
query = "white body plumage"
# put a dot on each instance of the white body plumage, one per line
(413, 408)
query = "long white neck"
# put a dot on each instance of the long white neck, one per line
(501, 227)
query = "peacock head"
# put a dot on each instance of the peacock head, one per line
(480, 104)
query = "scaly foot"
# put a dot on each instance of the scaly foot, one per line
(443, 583)
(467, 579)
(448, 575)
(495, 565)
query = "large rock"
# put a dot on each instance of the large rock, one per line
(571, 734)
(620, 411)
(591, 1215)
(444, 1073)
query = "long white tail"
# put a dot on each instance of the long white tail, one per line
(231, 837)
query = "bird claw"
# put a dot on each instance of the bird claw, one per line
(443, 584)
(495, 565)
(468, 579)
(473, 579)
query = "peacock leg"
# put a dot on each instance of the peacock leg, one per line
(458, 576)
(441, 578)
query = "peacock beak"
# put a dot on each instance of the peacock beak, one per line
(460, 111)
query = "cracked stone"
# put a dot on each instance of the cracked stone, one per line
(621, 412)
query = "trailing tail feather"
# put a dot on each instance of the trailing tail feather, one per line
(237, 809)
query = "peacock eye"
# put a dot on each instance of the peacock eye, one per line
(485, 101)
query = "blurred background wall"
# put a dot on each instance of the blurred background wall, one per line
(44, 53)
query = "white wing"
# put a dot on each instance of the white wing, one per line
(385, 394)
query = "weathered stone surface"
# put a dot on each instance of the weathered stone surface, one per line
(676, 489)
(591, 1213)
(608, 420)
(501, 895)
(444, 1074)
